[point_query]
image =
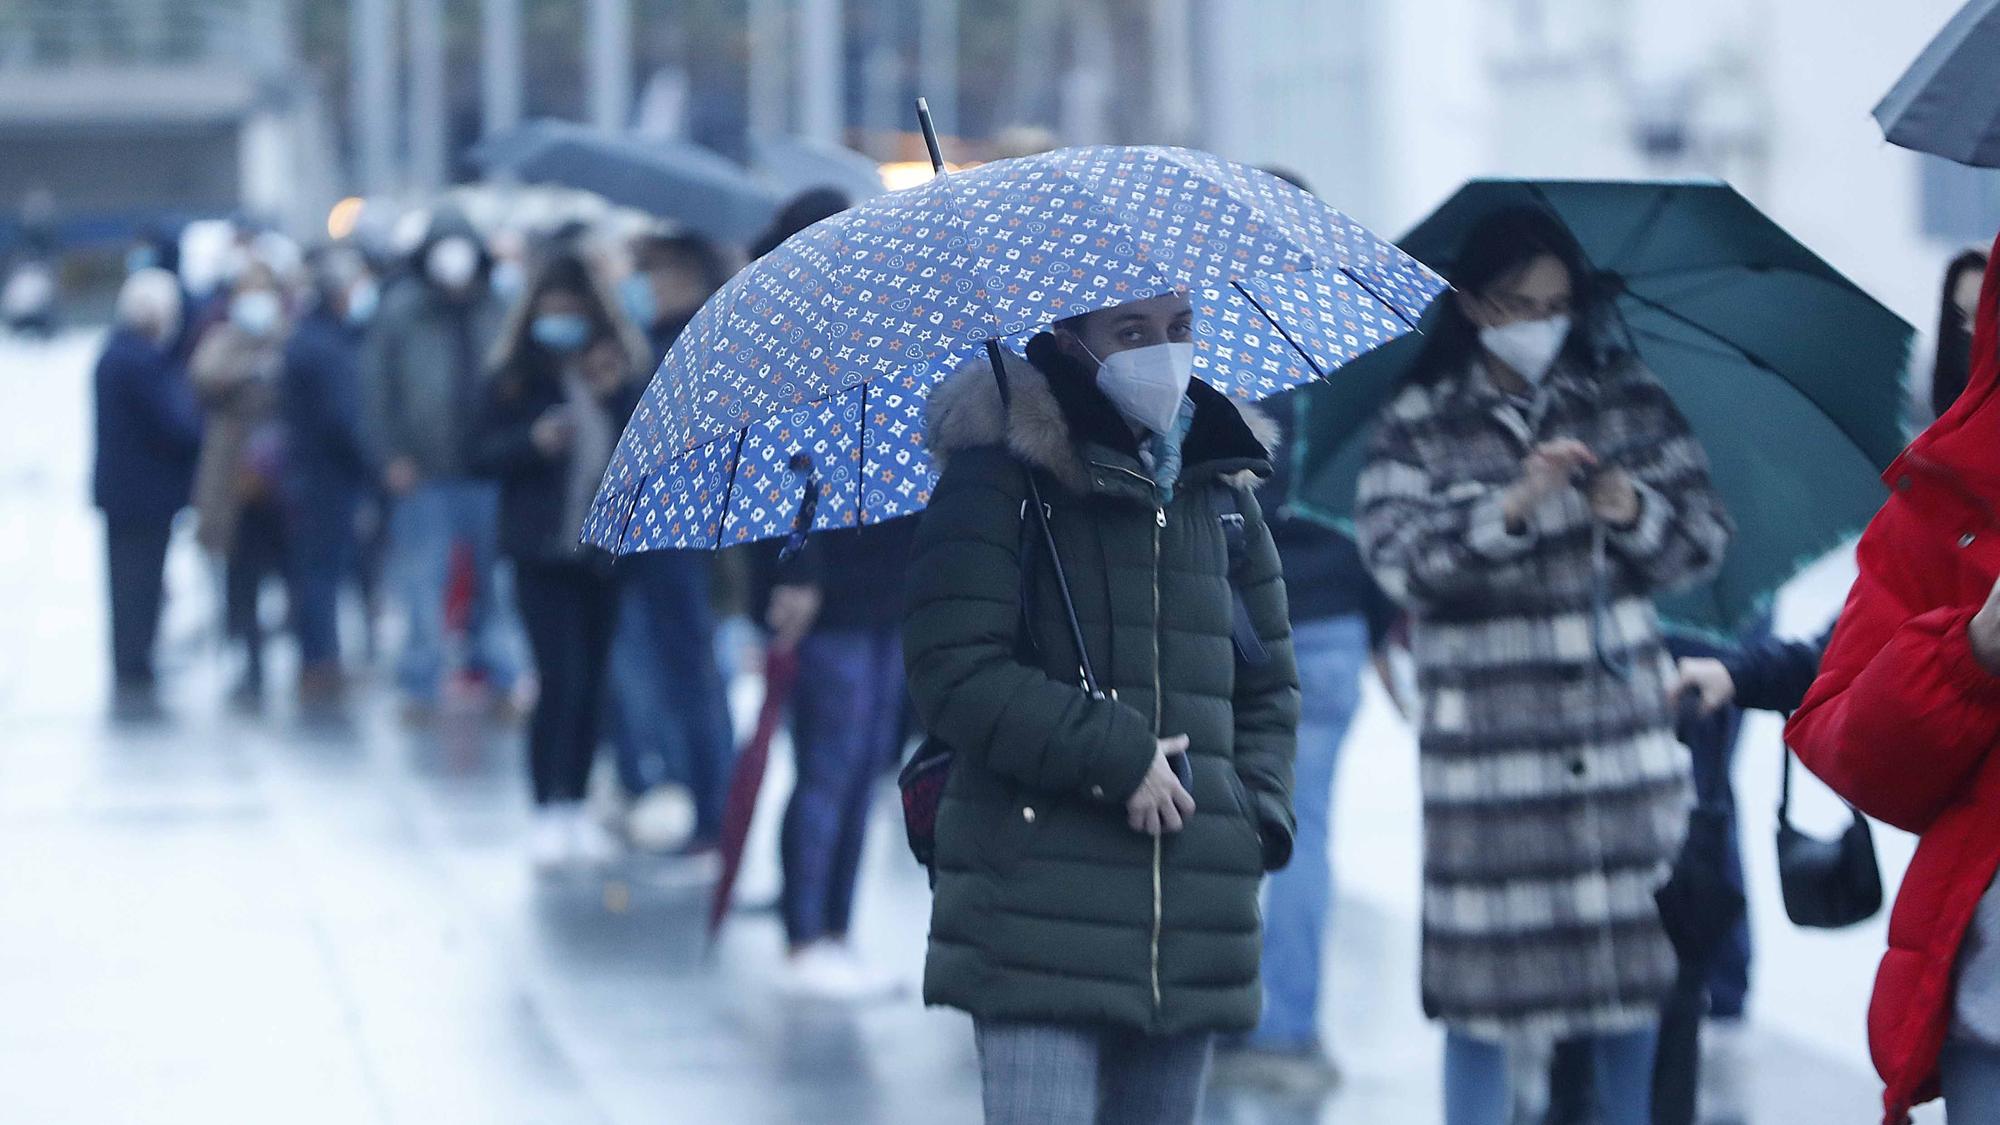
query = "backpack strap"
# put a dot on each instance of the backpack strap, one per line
(1235, 535)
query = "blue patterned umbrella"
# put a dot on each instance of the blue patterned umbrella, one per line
(809, 371)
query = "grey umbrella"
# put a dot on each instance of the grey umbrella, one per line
(672, 179)
(1948, 102)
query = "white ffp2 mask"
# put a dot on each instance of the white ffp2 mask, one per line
(1147, 384)
(1530, 347)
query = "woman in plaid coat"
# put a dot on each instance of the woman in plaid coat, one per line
(1527, 492)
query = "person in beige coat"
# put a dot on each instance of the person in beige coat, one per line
(241, 524)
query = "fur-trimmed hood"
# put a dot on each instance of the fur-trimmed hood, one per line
(1051, 423)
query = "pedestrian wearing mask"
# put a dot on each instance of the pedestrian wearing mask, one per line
(327, 471)
(1526, 495)
(564, 385)
(423, 379)
(670, 709)
(1099, 856)
(237, 486)
(1901, 722)
(148, 441)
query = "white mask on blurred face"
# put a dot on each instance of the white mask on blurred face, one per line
(256, 312)
(452, 262)
(1529, 347)
(1147, 384)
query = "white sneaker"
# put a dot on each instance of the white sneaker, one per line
(549, 838)
(662, 820)
(870, 983)
(591, 844)
(819, 972)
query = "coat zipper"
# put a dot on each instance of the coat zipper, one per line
(1159, 718)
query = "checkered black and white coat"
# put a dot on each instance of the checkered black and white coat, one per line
(1555, 794)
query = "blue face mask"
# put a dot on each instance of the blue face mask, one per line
(636, 294)
(256, 312)
(562, 333)
(362, 299)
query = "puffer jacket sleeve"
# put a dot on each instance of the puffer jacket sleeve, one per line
(1903, 713)
(1432, 542)
(961, 634)
(1267, 693)
(1682, 531)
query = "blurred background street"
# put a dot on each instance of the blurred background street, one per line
(317, 887)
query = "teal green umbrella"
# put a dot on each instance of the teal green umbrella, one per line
(1787, 371)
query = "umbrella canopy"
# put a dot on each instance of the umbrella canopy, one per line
(809, 371)
(1948, 102)
(792, 165)
(671, 179)
(1789, 374)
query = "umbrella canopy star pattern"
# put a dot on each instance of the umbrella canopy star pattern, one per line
(830, 345)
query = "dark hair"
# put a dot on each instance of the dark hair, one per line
(693, 251)
(1499, 246)
(805, 209)
(1952, 366)
(1289, 176)
(526, 360)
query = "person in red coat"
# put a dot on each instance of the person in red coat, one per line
(1901, 721)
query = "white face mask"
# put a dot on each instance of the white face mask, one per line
(1530, 347)
(1147, 384)
(452, 262)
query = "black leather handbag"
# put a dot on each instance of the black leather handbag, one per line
(1828, 884)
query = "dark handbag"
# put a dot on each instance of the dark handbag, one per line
(1827, 884)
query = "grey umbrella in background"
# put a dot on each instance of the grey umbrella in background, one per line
(672, 179)
(792, 165)
(1948, 103)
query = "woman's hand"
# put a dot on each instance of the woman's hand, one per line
(1984, 632)
(551, 432)
(1547, 469)
(1614, 499)
(1160, 804)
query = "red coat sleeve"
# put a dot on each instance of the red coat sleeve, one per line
(1902, 712)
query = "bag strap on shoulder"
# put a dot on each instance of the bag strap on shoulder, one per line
(1235, 534)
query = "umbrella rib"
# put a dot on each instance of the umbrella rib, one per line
(1645, 227)
(1318, 371)
(729, 490)
(1379, 299)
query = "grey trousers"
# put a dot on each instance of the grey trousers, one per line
(1971, 1073)
(1063, 1074)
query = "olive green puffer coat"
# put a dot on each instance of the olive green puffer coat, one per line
(1049, 906)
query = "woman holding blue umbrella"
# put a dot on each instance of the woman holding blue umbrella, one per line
(1528, 489)
(1099, 853)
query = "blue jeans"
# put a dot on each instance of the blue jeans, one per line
(1068, 1074)
(1477, 1089)
(424, 527)
(323, 549)
(1331, 655)
(846, 716)
(670, 713)
(1971, 1073)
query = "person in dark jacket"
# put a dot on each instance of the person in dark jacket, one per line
(327, 470)
(669, 705)
(148, 441)
(1340, 623)
(422, 379)
(563, 388)
(1096, 916)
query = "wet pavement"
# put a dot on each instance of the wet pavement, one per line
(229, 919)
